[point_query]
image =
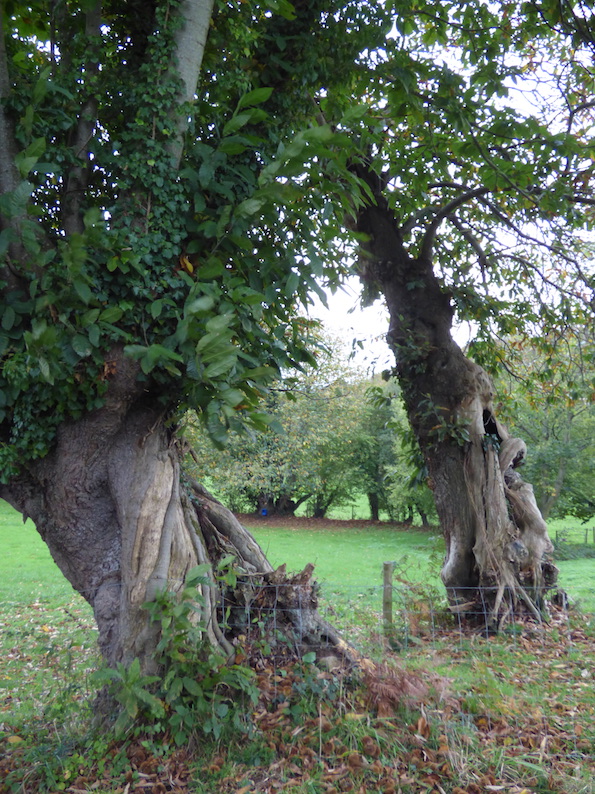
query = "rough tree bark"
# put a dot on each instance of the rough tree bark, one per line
(496, 540)
(122, 523)
(374, 503)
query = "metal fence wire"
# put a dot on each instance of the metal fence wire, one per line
(400, 616)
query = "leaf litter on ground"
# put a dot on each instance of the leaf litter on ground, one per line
(513, 713)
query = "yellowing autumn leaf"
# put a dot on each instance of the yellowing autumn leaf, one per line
(186, 264)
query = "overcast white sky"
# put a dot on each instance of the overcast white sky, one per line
(347, 320)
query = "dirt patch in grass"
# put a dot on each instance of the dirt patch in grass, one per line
(301, 522)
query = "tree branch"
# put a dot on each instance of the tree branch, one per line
(471, 239)
(78, 175)
(539, 243)
(191, 40)
(9, 175)
(430, 234)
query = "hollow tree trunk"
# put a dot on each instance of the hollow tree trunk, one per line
(122, 524)
(496, 540)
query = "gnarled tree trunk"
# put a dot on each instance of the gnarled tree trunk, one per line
(496, 539)
(122, 524)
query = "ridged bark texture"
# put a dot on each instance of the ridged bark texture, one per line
(123, 523)
(496, 540)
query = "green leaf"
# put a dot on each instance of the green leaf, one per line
(322, 133)
(219, 323)
(192, 686)
(8, 318)
(199, 305)
(251, 116)
(156, 308)
(250, 206)
(44, 368)
(233, 397)
(26, 159)
(81, 345)
(221, 366)
(114, 262)
(232, 146)
(111, 315)
(229, 559)
(223, 220)
(158, 352)
(283, 7)
(355, 113)
(6, 237)
(83, 290)
(90, 317)
(255, 97)
(293, 283)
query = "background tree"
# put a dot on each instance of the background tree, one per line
(388, 468)
(551, 404)
(374, 449)
(333, 438)
(475, 156)
(307, 456)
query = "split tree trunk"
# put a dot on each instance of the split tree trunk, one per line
(497, 544)
(122, 524)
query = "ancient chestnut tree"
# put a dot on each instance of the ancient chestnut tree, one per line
(145, 270)
(176, 178)
(476, 169)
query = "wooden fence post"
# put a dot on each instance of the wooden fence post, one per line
(388, 569)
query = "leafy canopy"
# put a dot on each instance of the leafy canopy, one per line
(473, 119)
(195, 270)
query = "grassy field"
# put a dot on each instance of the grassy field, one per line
(348, 560)
(466, 715)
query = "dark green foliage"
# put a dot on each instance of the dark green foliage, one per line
(197, 689)
(189, 269)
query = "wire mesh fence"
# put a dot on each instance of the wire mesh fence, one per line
(406, 615)
(393, 615)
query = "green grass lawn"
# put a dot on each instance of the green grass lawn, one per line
(348, 560)
(351, 557)
(26, 567)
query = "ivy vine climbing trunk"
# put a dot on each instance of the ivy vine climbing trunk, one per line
(497, 544)
(143, 272)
